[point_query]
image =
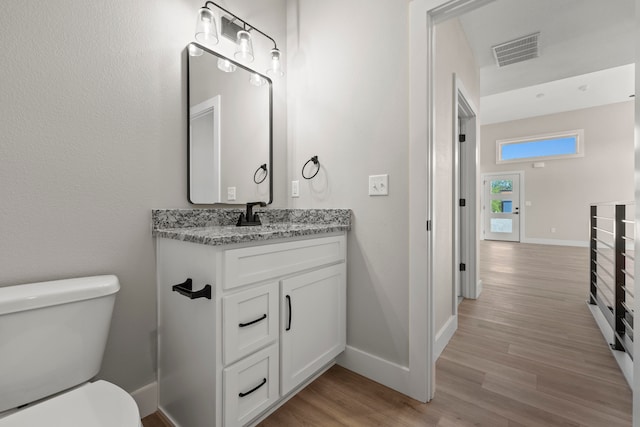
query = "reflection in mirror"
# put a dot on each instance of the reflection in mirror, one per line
(230, 130)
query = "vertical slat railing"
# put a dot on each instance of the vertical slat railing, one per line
(620, 311)
(611, 282)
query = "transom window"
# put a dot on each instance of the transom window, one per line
(551, 146)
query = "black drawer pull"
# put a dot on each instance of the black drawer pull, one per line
(288, 328)
(186, 290)
(244, 325)
(264, 381)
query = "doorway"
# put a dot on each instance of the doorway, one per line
(465, 163)
(501, 199)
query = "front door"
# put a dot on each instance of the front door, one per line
(502, 207)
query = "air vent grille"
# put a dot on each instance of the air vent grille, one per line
(518, 50)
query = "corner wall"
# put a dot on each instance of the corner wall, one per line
(348, 104)
(561, 192)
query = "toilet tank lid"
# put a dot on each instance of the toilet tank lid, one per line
(43, 294)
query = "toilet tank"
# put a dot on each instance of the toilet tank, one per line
(52, 336)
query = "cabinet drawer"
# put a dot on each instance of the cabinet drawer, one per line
(250, 386)
(250, 321)
(248, 265)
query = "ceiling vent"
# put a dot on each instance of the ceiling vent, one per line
(518, 50)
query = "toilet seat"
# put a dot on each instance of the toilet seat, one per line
(98, 404)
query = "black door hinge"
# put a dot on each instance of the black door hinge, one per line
(428, 225)
(463, 202)
(462, 137)
(463, 266)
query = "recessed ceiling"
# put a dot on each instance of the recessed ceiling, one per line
(577, 37)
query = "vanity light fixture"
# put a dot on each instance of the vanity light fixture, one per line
(207, 34)
(244, 49)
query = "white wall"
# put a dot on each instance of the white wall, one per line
(94, 135)
(348, 104)
(452, 55)
(561, 192)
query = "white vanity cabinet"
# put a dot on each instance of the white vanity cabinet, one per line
(276, 317)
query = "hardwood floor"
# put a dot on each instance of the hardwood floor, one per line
(526, 353)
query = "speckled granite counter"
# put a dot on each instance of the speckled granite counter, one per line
(217, 226)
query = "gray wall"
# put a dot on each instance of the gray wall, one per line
(93, 120)
(348, 104)
(561, 192)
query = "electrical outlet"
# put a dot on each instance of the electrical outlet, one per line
(379, 185)
(295, 188)
(231, 194)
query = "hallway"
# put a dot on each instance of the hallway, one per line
(528, 349)
(526, 353)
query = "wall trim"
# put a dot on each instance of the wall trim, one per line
(146, 398)
(577, 243)
(444, 335)
(376, 368)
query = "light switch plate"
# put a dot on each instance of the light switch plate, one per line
(295, 188)
(231, 193)
(379, 185)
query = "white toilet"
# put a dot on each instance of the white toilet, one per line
(52, 338)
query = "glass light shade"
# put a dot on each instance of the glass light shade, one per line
(244, 46)
(194, 50)
(276, 65)
(226, 65)
(206, 29)
(257, 80)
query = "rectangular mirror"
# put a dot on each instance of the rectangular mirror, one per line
(230, 130)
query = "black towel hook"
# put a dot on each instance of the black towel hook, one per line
(316, 162)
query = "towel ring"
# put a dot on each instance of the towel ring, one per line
(262, 167)
(316, 162)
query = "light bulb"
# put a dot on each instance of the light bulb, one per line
(244, 46)
(194, 50)
(206, 29)
(276, 65)
(226, 65)
(257, 80)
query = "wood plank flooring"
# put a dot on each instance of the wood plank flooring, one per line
(526, 353)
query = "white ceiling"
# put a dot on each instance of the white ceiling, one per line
(577, 38)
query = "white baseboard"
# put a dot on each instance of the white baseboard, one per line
(376, 368)
(478, 289)
(444, 335)
(557, 242)
(147, 399)
(624, 361)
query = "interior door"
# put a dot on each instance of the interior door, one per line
(502, 207)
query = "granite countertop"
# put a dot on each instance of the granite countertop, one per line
(217, 226)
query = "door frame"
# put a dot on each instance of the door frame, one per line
(466, 238)
(521, 201)
(423, 15)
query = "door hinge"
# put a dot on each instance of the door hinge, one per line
(463, 266)
(428, 225)
(463, 203)
(462, 137)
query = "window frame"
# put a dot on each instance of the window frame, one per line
(577, 133)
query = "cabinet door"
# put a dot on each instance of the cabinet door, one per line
(313, 311)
